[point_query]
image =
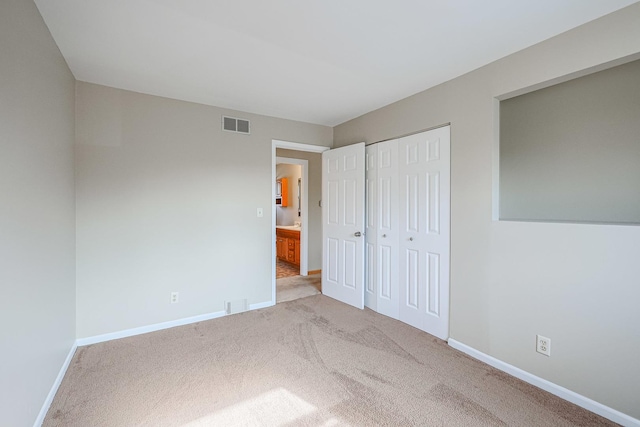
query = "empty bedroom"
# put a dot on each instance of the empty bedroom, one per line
(319, 213)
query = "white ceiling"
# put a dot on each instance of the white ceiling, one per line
(318, 61)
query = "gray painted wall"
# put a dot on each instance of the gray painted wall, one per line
(37, 219)
(513, 280)
(158, 207)
(315, 195)
(571, 152)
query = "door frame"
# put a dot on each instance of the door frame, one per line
(304, 233)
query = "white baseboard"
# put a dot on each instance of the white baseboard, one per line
(566, 394)
(149, 328)
(160, 326)
(259, 305)
(54, 387)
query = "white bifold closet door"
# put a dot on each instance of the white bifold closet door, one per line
(381, 290)
(371, 240)
(424, 230)
(408, 231)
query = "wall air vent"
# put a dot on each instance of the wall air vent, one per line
(238, 306)
(232, 124)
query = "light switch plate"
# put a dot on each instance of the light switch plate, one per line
(260, 213)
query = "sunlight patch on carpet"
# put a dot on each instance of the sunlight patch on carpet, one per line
(275, 407)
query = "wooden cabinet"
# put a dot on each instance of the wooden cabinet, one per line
(281, 247)
(296, 259)
(288, 245)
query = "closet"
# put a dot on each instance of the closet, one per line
(407, 184)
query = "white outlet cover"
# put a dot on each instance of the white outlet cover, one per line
(543, 345)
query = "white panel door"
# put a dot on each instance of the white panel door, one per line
(424, 171)
(343, 182)
(387, 227)
(371, 215)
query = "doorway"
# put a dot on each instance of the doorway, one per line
(291, 211)
(292, 235)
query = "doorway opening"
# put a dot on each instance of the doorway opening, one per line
(290, 213)
(296, 220)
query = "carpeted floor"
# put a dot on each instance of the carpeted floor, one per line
(295, 287)
(308, 362)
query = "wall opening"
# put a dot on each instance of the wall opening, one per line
(571, 152)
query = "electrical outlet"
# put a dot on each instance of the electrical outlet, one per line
(543, 345)
(174, 297)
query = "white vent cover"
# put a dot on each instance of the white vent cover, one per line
(238, 306)
(233, 124)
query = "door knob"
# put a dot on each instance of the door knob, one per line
(384, 235)
(411, 239)
(358, 234)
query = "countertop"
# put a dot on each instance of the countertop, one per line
(289, 227)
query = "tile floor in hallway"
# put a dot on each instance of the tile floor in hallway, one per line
(284, 269)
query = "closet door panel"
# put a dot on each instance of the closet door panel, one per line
(434, 283)
(412, 204)
(410, 274)
(386, 278)
(388, 296)
(371, 250)
(424, 230)
(437, 240)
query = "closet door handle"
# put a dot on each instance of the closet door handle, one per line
(358, 234)
(411, 239)
(384, 235)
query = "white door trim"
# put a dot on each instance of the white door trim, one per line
(276, 143)
(289, 145)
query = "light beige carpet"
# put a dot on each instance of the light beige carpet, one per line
(308, 362)
(290, 288)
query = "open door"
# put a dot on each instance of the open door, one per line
(343, 176)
